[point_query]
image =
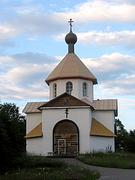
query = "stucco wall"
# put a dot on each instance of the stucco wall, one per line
(81, 117)
(106, 118)
(101, 144)
(77, 88)
(35, 146)
(32, 121)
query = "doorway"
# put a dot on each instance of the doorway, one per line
(66, 138)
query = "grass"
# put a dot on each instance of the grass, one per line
(114, 160)
(42, 168)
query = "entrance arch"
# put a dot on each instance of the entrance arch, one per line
(66, 138)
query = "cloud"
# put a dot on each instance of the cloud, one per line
(115, 72)
(34, 58)
(7, 32)
(123, 86)
(23, 77)
(121, 38)
(103, 11)
(34, 20)
(115, 38)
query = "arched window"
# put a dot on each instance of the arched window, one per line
(54, 90)
(85, 89)
(69, 87)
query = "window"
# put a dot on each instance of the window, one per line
(69, 87)
(84, 89)
(54, 90)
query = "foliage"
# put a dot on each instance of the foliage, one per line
(130, 141)
(121, 135)
(125, 141)
(40, 168)
(12, 131)
(115, 160)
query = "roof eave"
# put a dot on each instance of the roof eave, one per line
(71, 77)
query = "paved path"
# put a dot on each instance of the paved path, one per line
(106, 173)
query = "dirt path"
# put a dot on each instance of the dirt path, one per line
(106, 173)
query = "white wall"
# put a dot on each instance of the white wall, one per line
(32, 120)
(106, 118)
(77, 88)
(35, 146)
(101, 144)
(81, 117)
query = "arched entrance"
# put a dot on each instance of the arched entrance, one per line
(66, 138)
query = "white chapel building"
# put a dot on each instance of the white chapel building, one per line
(71, 122)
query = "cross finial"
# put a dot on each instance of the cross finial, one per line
(70, 23)
(66, 112)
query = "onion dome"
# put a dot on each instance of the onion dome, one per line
(71, 38)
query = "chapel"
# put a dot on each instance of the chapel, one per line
(72, 121)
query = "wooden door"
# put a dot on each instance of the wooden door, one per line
(61, 146)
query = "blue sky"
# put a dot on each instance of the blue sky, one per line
(32, 43)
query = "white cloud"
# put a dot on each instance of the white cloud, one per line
(24, 78)
(115, 38)
(121, 86)
(98, 10)
(121, 38)
(35, 21)
(6, 59)
(115, 72)
(115, 62)
(7, 31)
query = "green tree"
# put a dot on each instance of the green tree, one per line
(130, 141)
(121, 135)
(12, 131)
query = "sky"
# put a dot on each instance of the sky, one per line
(32, 43)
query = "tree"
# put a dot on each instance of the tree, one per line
(121, 134)
(12, 131)
(124, 140)
(130, 141)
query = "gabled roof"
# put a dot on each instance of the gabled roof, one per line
(98, 129)
(71, 67)
(32, 107)
(104, 104)
(35, 132)
(64, 100)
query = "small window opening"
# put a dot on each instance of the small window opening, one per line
(54, 90)
(69, 87)
(85, 93)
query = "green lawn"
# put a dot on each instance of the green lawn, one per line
(115, 160)
(42, 168)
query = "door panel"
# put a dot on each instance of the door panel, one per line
(61, 146)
